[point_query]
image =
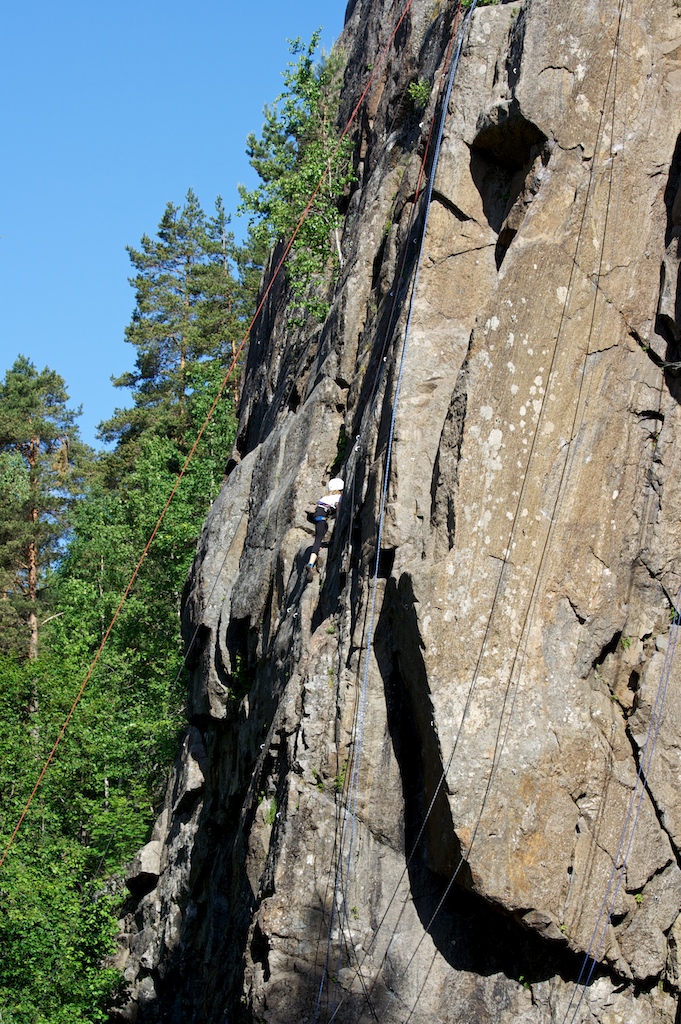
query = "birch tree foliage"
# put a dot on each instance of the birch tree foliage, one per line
(300, 155)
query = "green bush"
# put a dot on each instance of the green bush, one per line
(418, 92)
(300, 152)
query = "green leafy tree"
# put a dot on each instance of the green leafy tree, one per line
(140, 678)
(299, 148)
(61, 886)
(56, 916)
(42, 469)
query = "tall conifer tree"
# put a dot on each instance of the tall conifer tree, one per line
(42, 462)
(184, 319)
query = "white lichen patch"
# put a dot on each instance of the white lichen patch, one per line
(483, 522)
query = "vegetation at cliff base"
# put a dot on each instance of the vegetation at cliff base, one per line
(71, 532)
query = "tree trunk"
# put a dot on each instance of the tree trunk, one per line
(32, 561)
(33, 639)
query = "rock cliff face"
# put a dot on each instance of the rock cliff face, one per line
(440, 782)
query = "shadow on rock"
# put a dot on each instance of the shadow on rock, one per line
(468, 932)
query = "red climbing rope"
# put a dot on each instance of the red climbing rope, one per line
(205, 423)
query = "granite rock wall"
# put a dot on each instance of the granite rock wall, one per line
(432, 781)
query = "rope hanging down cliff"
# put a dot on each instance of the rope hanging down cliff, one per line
(578, 415)
(621, 858)
(358, 737)
(575, 431)
(381, 367)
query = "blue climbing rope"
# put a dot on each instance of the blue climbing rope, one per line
(349, 826)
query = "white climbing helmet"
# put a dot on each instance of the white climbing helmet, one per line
(336, 484)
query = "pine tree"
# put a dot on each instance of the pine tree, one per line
(185, 319)
(42, 466)
(220, 312)
(250, 259)
(95, 806)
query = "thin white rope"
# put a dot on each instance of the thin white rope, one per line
(638, 793)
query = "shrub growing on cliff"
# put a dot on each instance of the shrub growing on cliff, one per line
(418, 92)
(298, 148)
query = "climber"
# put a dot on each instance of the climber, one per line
(326, 507)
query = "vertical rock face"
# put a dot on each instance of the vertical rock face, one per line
(441, 780)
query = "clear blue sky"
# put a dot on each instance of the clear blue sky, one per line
(110, 111)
